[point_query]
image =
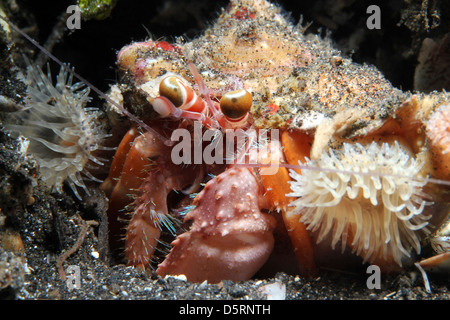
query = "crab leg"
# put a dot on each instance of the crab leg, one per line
(150, 216)
(439, 263)
(296, 145)
(142, 175)
(132, 171)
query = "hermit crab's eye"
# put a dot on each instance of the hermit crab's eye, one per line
(172, 89)
(236, 104)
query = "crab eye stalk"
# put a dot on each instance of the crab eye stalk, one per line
(172, 89)
(180, 95)
(236, 104)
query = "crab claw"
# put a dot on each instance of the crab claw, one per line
(230, 238)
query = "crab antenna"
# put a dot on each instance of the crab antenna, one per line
(90, 85)
(204, 91)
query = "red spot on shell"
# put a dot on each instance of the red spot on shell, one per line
(243, 14)
(273, 108)
(166, 46)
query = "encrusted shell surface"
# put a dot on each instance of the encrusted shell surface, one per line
(303, 75)
(253, 46)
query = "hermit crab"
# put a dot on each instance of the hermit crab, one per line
(253, 137)
(354, 163)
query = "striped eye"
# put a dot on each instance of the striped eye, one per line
(181, 95)
(174, 90)
(236, 104)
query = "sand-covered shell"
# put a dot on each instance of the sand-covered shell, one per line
(252, 46)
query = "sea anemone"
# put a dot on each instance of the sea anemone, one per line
(62, 132)
(365, 197)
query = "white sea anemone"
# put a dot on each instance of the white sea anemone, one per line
(374, 207)
(63, 134)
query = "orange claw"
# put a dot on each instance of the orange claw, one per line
(296, 147)
(118, 161)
